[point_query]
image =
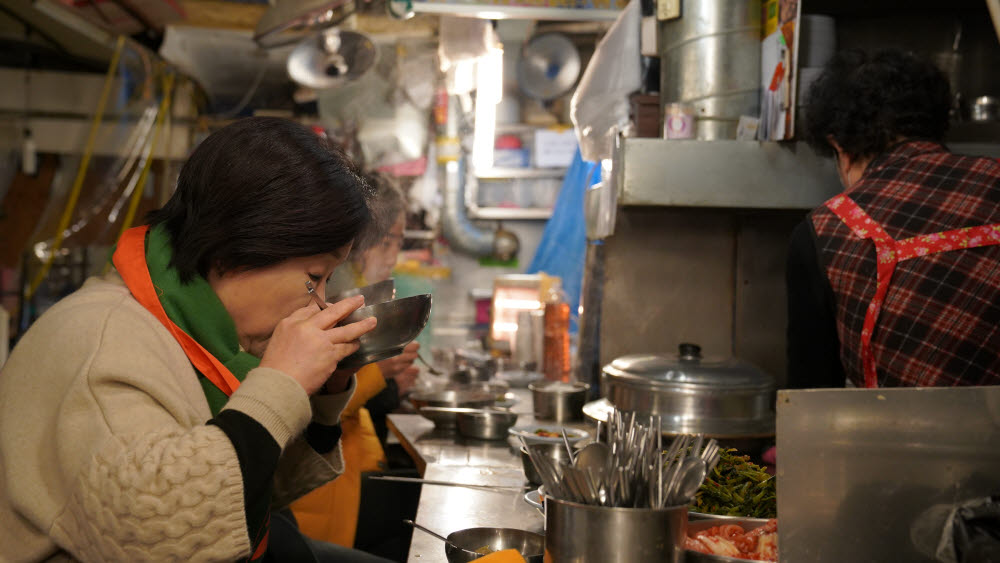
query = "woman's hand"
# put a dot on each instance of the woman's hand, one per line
(401, 368)
(307, 345)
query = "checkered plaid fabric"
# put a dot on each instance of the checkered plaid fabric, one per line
(940, 322)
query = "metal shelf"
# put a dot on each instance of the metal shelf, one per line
(741, 174)
(515, 173)
(501, 12)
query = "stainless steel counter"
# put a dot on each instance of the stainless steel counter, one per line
(445, 456)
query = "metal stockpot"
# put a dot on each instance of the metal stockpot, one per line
(725, 398)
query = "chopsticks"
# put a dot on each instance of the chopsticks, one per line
(315, 296)
(447, 483)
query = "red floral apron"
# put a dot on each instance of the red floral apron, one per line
(890, 252)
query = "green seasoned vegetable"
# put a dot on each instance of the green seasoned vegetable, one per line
(737, 487)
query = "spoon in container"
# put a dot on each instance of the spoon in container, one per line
(692, 475)
(595, 456)
(442, 538)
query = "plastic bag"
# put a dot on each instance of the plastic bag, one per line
(972, 532)
(599, 106)
(966, 532)
(563, 247)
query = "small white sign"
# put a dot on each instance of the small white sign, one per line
(554, 148)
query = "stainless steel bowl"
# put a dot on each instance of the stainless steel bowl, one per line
(558, 401)
(553, 451)
(497, 389)
(425, 403)
(485, 424)
(378, 292)
(399, 322)
(529, 544)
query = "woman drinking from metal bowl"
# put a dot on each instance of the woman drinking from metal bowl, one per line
(169, 410)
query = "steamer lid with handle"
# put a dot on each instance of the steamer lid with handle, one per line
(722, 397)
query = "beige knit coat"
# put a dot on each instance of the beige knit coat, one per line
(105, 454)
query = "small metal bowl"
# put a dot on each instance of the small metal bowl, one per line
(438, 406)
(485, 424)
(399, 322)
(558, 401)
(553, 451)
(529, 544)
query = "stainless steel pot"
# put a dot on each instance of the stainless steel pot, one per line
(558, 401)
(718, 397)
(583, 533)
(485, 424)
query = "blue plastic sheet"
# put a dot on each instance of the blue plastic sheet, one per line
(563, 246)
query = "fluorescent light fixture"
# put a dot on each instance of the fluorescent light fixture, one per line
(489, 90)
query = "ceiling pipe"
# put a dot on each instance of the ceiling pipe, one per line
(456, 226)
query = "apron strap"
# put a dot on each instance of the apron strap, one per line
(890, 252)
(885, 249)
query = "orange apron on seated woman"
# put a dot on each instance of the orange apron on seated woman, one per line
(330, 513)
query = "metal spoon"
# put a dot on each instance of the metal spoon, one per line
(691, 481)
(594, 457)
(442, 538)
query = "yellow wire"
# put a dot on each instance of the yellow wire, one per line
(81, 172)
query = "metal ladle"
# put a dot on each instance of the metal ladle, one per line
(442, 538)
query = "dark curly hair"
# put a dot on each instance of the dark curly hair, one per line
(259, 191)
(866, 102)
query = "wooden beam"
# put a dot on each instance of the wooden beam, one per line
(217, 13)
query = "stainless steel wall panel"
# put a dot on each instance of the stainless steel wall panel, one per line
(860, 471)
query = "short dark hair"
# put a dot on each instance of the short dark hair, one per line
(257, 192)
(865, 102)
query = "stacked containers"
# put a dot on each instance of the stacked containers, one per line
(710, 59)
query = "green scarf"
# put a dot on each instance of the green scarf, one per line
(197, 310)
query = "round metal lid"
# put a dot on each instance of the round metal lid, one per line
(688, 369)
